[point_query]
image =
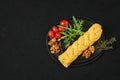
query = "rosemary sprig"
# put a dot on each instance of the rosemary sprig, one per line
(105, 44)
(72, 31)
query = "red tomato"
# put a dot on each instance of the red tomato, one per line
(57, 35)
(64, 22)
(51, 34)
(55, 29)
(60, 29)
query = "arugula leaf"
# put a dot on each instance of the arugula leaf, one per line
(72, 31)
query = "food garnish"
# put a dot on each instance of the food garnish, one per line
(55, 29)
(51, 34)
(88, 52)
(105, 44)
(54, 46)
(64, 22)
(54, 32)
(52, 41)
(72, 31)
(60, 29)
(57, 35)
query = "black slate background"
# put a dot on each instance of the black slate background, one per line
(23, 30)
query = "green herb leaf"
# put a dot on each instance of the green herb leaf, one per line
(72, 31)
(105, 44)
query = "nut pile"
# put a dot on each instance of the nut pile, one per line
(54, 46)
(87, 53)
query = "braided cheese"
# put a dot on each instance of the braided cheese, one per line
(83, 42)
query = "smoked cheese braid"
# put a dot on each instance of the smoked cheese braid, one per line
(83, 42)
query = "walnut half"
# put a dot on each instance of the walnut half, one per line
(87, 53)
(54, 46)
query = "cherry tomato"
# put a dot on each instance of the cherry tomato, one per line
(55, 29)
(64, 22)
(57, 35)
(60, 29)
(51, 34)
